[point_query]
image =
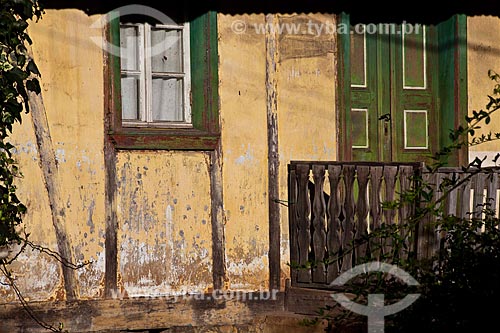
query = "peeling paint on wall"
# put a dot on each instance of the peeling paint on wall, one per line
(246, 157)
(244, 143)
(67, 65)
(164, 246)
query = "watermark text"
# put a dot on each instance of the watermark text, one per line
(317, 29)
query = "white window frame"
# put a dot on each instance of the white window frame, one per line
(146, 77)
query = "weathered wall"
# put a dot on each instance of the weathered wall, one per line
(163, 198)
(305, 90)
(72, 88)
(242, 75)
(163, 205)
(164, 238)
(483, 54)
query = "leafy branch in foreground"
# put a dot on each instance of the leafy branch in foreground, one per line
(18, 75)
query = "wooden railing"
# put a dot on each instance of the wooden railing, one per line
(473, 191)
(334, 205)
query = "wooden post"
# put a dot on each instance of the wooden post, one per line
(272, 155)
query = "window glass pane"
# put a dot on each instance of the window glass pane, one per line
(129, 42)
(130, 98)
(167, 99)
(166, 50)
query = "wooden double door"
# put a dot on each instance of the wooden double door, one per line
(393, 92)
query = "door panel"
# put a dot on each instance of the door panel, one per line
(392, 94)
(413, 105)
(414, 58)
(364, 96)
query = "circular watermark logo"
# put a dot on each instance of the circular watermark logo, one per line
(239, 26)
(144, 11)
(375, 310)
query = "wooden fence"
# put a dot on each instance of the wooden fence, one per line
(335, 205)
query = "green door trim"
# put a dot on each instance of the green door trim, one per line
(452, 35)
(343, 91)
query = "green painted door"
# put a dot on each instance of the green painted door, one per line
(393, 103)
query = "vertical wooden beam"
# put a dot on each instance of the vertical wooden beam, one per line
(424, 241)
(461, 81)
(272, 155)
(111, 229)
(52, 181)
(390, 174)
(452, 41)
(452, 201)
(375, 210)
(405, 211)
(362, 210)
(112, 109)
(491, 193)
(478, 185)
(217, 208)
(204, 73)
(464, 207)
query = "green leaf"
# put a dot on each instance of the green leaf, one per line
(33, 85)
(488, 106)
(32, 68)
(17, 75)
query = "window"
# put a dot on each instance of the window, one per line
(163, 87)
(155, 75)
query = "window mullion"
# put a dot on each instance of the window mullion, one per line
(142, 77)
(147, 73)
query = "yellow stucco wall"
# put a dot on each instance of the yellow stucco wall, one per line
(72, 88)
(242, 75)
(306, 128)
(163, 197)
(483, 54)
(163, 204)
(306, 101)
(163, 201)
(164, 239)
